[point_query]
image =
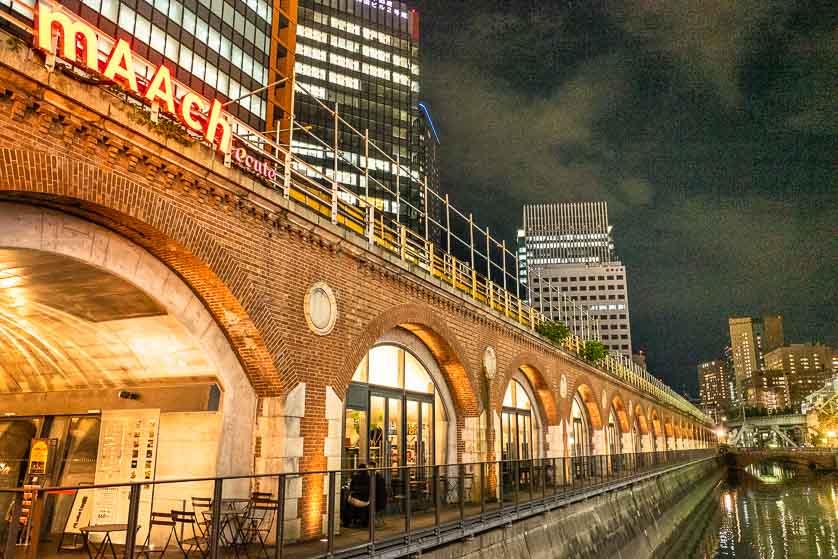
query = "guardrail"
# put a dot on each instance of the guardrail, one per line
(385, 510)
(445, 231)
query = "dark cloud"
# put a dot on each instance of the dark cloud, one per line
(708, 125)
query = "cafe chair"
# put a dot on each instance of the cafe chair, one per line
(186, 523)
(202, 507)
(165, 525)
(258, 523)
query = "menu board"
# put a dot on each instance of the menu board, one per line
(127, 454)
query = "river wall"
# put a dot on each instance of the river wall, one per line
(645, 519)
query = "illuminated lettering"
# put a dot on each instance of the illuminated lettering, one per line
(160, 89)
(257, 167)
(78, 44)
(189, 103)
(120, 66)
(69, 32)
(218, 120)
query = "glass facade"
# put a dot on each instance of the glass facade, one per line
(219, 48)
(362, 56)
(394, 415)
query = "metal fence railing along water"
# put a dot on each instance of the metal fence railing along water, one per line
(366, 511)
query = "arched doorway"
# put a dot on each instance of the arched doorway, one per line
(613, 434)
(580, 440)
(395, 411)
(519, 428)
(113, 343)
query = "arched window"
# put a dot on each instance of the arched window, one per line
(394, 415)
(580, 439)
(637, 434)
(517, 439)
(613, 433)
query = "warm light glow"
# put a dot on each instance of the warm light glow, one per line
(830, 434)
(720, 433)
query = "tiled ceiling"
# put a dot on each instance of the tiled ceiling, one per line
(65, 325)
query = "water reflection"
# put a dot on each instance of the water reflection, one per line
(773, 511)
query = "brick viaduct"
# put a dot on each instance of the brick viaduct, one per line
(79, 157)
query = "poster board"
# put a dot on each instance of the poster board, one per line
(38, 457)
(79, 516)
(127, 454)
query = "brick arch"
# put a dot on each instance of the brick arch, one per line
(534, 369)
(619, 408)
(157, 224)
(641, 419)
(590, 399)
(424, 323)
(656, 423)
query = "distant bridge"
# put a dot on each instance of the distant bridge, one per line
(787, 430)
(818, 458)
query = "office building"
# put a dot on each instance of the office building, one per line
(750, 339)
(714, 387)
(569, 270)
(361, 57)
(806, 367)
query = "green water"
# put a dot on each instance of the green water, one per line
(773, 512)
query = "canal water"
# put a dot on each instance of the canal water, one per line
(769, 511)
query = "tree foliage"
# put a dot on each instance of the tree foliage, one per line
(593, 351)
(553, 330)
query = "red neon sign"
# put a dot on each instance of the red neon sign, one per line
(78, 44)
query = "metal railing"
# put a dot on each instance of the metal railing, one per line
(405, 508)
(485, 268)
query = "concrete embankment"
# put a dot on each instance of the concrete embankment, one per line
(641, 520)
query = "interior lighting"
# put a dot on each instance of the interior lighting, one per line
(830, 434)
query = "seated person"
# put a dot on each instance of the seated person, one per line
(358, 500)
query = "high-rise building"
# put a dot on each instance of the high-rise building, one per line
(714, 387)
(568, 269)
(750, 339)
(767, 389)
(360, 58)
(806, 368)
(221, 49)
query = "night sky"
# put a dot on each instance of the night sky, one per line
(709, 126)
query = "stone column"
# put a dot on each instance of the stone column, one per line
(279, 448)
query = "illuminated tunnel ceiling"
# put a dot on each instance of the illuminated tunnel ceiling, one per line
(66, 325)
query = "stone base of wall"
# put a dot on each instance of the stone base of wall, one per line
(631, 522)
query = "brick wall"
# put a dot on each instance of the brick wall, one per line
(250, 256)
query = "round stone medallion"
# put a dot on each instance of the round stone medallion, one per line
(321, 310)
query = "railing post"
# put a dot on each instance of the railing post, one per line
(402, 241)
(482, 488)
(505, 302)
(407, 513)
(531, 477)
(335, 169)
(215, 522)
(429, 248)
(330, 510)
(425, 201)
(471, 238)
(517, 464)
(280, 516)
(436, 498)
(398, 190)
(448, 222)
(371, 224)
(490, 294)
(133, 517)
(367, 165)
(453, 262)
(461, 484)
(372, 505)
(14, 525)
(473, 282)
